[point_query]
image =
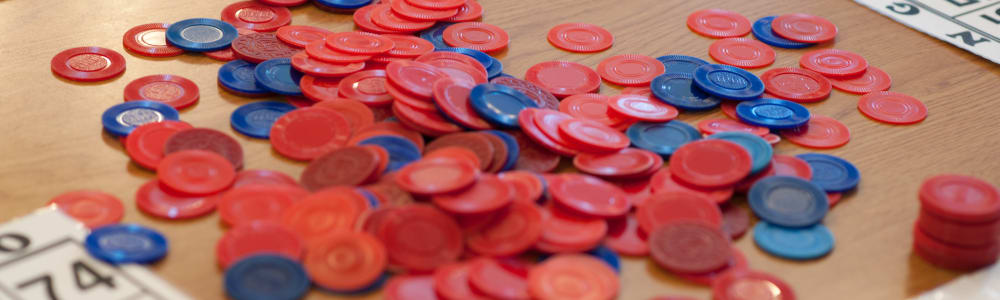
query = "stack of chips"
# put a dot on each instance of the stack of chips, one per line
(959, 224)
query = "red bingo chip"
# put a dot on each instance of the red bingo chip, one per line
(319, 50)
(476, 35)
(710, 163)
(363, 20)
(566, 231)
(437, 176)
(893, 108)
(592, 107)
(426, 122)
(357, 114)
(452, 281)
(414, 77)
(742, 52)
(500, 278)
(589, 195)
(368, 86)
(960, 198)
(452, 98)
(624, 163)
(580, 37)
(150, 40)
(455, 153)
(718, 23)
(563, 78)
(196, 172)
(307, 133)
(834, 63)
(345, 260)
(264, 177)
(256, 238)
(477, 143)
(408, 46)
(672, 206)
(642, 108)
(737, 261)
(359, 43)
(689, 247)
(737, 284)
(348, 166)
(410, 287)
(664, 182)
(593, 136)
(713, 126)
(470, 11)
(821, 132)
(320, 88)
(630, 69)
(796, 84)
(513, 231)
(422, 238)
(487, 194)
(437, 4)
(256, 16)
(172, 90)
(156, 200)
(499, 154)
(317, 215)
(735, 220)
(206, 139)
(258, 47)
(452, 62)
(88, 64)
(543, 126)
(93, 208)
(804, 28)
(145, 144)
(625, 237)
(258, 202)
(314, 67)
(300, 36)
(874, 80)
(530, 182)
(590, 278)
(383, 16)
(410, 11)
(833, 198)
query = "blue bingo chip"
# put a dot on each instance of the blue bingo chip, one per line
(343, 4)
(485, 59)
(238, 76)
(255, 119)
(277, 75)
(763, 32)
(679, 90)
(401, 151)
(833, 174)
(662, 138)
(435, 34)
(266, 277)
(760, 150)
(773, 113)
(607, 255)
(513, 149)
(793, 243)
(681, 64)
(495, 69)
(126, 243)
(122, 118)
(499, 104)
(728, 82)
(201, 35)
(788, 201)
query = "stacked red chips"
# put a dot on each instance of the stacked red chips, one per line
(959, 223)
(567, 135)
(407, 16)
(431, 93)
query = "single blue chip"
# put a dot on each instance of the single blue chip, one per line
(760, 150)
(763, 32)
(372, 200)
(255, 119)
(607, 255)
(122, 118)
(277, 75)
(728, 82)
(343, 4)
(485, 59)
(793, 243)
(773, 113)
(833, 174)
(237, 76)
(681, 64)
(266, 277)
(679, 90)
(435, 35)
(495, 69)
(662, 138)
(201, 35)
(126, 243)
(401, 151)
(499, 104)
(513, 149)
(788, 201)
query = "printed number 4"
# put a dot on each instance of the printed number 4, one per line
(84, 276)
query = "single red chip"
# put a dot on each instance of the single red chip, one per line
(834, 63)
(742, 52)
(893, 108)
(710, 163)
(532, 125)
(345, 260)
(737, 284)
(410, 287)
(173, 90)
(580, 37)
(735, 220)
(713, 126)
(664, 182)
(301, 35)
(414, 77)
(408, 45)
(399, 96)
(319, 214)
(227, 54)
(196, 172)
(781, 165)
(348, 166)
(308, 65)
(642, 108)
(206, 139)
(258, 202)
(718, 23)
(590, 278)
(960, 198)
(563, 78)
(452, 98)
(319, 50)
(145, 146)
(593, 136)
(804, 28)
(256, 238)
(256, 16)
(821, 132)
(92, 208)
(320, 88)
(591, 107)
(88, 64)
(625, 237)
(383, 16)
(672, 206)
(873, 80)
(690, 247)
(437, 4)
(796, 84)
(410, 11)
(500, 278)
(737, 261)
(487, 194)
(589, 195)
(452, 281)
(157, 200)
(422, 238)
(307, 133)
(368, 86)
(513, 231)
(624, 163)
(630, 69)
(363, 19)
(357, 114)
(470, 11)
(258, 47)
(359, 42)
(567, 231)
(437, 176)
(426, 122)
(150, 40)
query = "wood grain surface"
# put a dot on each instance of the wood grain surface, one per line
(51, 139)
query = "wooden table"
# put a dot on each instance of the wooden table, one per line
(51, 139)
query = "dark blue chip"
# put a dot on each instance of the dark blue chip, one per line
(277, 75)
(372, 200)
(255, 119)
(201, 35)
(343, 4)
(679, 90)
(266, 277)
(495, 69)
(681, 64)
(763, 32)
(728, 82)
(607, 255)
(788, 201)
(833, 174)
(401, 151)
(435, 34)
(499, 104)
(793, 243)
(121, 119)
(513, 149)
(760, 150)
(485, 59)
(773, 113)
(662, 138)
(237, 76)
(126, 243)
